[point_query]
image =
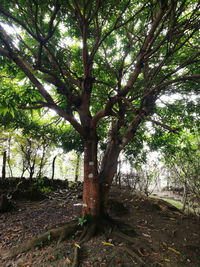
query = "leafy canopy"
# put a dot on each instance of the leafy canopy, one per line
(104, 60)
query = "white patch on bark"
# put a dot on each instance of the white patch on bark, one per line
(91, 198)
(124, 140)
(90, 175)
(80, 204)
(91, 163)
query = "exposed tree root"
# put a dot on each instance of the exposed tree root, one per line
(60, 234)
(126, 252)
(133, 254)
(124, 236)
(76, 257)
(87, 232)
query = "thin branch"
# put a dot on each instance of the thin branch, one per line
(115, 27)
(179, 79)
(33, 107)
(8, 15)
(167, 127)
(28, 70)
(144, 50)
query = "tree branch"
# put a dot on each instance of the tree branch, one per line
(179, 79)
(29, 71)
(144, 50)
(167, 127)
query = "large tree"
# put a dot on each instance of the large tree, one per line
(100, 64)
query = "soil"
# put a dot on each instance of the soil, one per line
(163, 235)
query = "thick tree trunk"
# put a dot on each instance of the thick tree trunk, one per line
(91, 193)
(106, 175)
(4, 165)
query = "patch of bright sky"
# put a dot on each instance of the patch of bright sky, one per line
(66, 40)
(170, 99)
(12, 30)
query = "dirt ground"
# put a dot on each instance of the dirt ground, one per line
(163, 235)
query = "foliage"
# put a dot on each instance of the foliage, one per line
(82, 221)
(102, 66)
(39, 184)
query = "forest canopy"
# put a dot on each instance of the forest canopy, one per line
(102, 66)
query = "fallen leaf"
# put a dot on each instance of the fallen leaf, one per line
(167, 260)
(146, 235)
(174, 250)
(67, 260)
(51, 257)
(77, 245)
(26, 264)
(107, 244)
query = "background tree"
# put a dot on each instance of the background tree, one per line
(183, 165)
(105, 63)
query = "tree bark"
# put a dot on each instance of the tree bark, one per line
(53, 167)
(32, 169)
(42, 161)
(4, 165)
(8, 159)
(77, 167)
(91, 193)
(106, 175)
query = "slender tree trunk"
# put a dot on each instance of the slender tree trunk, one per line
(31, 173)
(185, 193)
(24, 168)
(77, 167)
(91, 193)
(9, 161)
(42, 161)
(32, 170)
(53, 167)
(119, 174)
(4, 165)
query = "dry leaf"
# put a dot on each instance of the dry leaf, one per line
(146, 235)
(77, 245)
(51, 257)
(174, 250)
(26, 264)
(107, 244)
(167, 260)
(67, 260)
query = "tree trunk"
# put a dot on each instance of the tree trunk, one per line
(53, 167)
(9, 161)
(42, 161)
(91, 193)
(106, 175)
(77, 167)
(184, 198)
(119, 174)
(32, 169)
(4, 165)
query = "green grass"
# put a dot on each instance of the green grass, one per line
(175, 203)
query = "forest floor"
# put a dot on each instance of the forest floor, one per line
(166, 236)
